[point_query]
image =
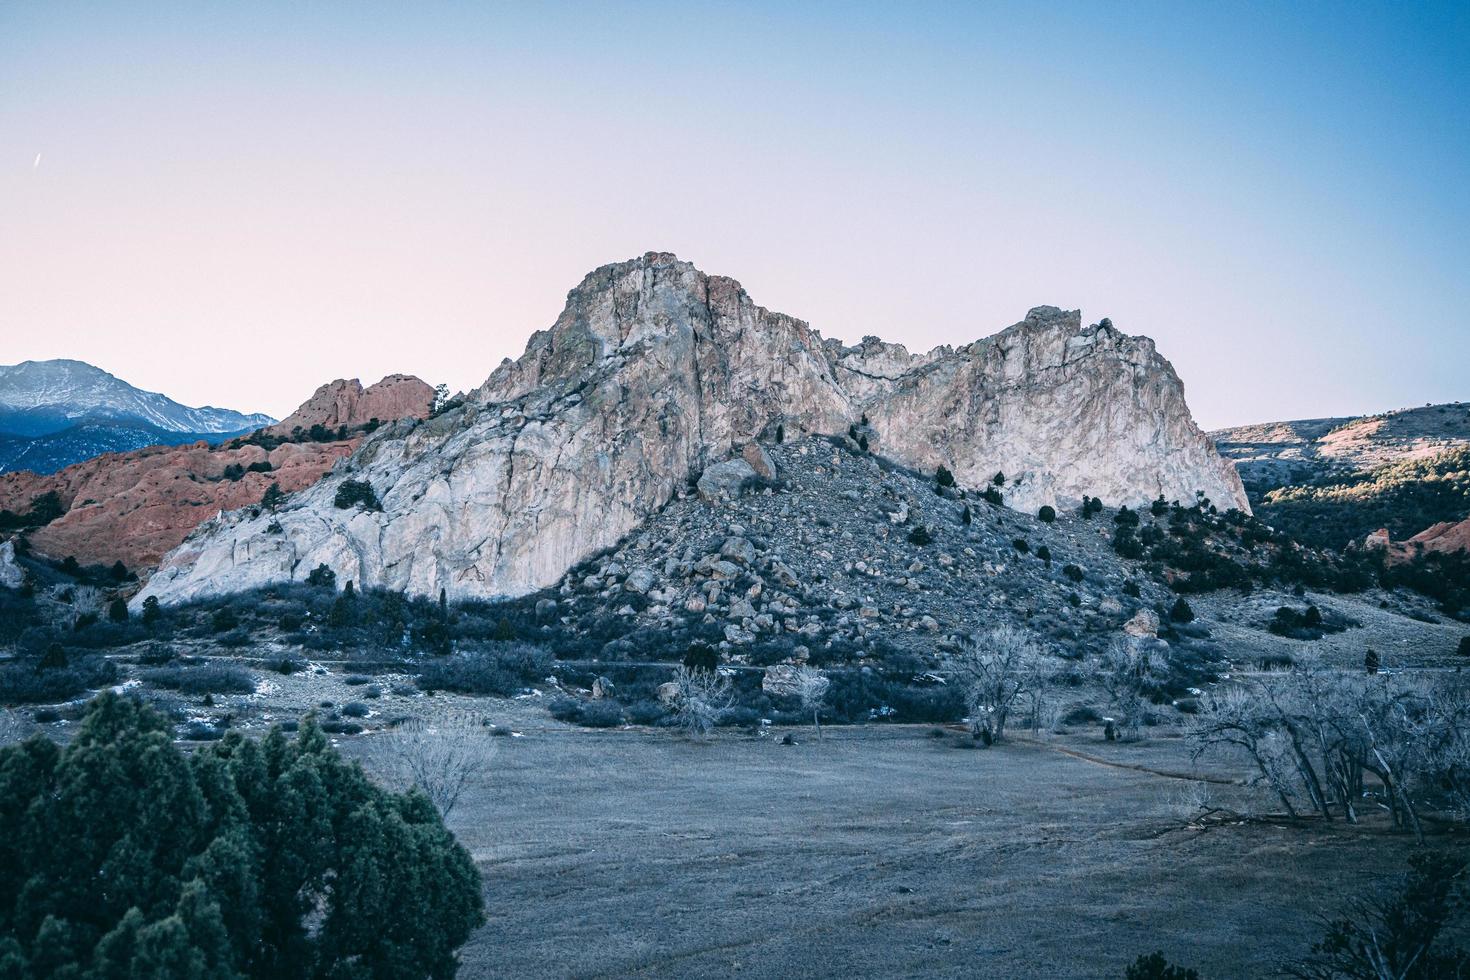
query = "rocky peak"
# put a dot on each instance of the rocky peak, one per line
(653, 372)
(347, 402)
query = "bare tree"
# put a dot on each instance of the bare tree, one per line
(996, 670)
(811, 686)
(1314, 733)
(700, 700)
(1130, 671)
(441, 758)
(1234, 719)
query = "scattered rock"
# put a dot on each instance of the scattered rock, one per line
(1145, 623)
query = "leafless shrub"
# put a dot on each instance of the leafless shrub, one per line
(1130, 670)
(441, 758)
(811, 687)
(996, 671)
(87, 601)
(1189, 798)
(700, 700)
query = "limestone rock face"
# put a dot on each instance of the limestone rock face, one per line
(655, 371)
(347, 402)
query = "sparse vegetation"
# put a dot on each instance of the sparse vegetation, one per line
(496, 668)
(211, 678)
(356, 493)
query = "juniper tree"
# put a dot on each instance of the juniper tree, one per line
(248, 859)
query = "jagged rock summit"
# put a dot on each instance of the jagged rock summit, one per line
(653, 372)
(347, 402)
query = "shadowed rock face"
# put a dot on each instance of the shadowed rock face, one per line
(654, 371)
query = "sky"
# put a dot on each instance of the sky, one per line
(234, 203)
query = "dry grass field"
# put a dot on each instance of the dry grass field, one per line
(886, 851)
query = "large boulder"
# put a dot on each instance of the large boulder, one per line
(12, 576)
(725, 481)
(1144, 624)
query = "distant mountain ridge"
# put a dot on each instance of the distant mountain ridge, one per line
(58, 412)
(1307, 451)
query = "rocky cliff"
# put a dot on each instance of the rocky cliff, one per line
(653, 372)
(347, 402)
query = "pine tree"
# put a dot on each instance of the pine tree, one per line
(1181, 613)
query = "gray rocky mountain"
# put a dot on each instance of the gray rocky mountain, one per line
(843, 550)
(653, 373)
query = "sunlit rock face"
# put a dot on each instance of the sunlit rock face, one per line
(654, 371)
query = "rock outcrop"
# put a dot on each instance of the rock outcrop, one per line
(1446, 537)
(136, 507)
(653, 372)
(347, 402)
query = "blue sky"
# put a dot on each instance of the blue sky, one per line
(234, 203)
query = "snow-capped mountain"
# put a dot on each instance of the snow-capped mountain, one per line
(55, 413)
(41, 397)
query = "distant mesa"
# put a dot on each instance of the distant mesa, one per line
(1275, 454)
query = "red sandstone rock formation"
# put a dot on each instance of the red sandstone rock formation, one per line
(398, 396)
(135, 507)
(1447, 536)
